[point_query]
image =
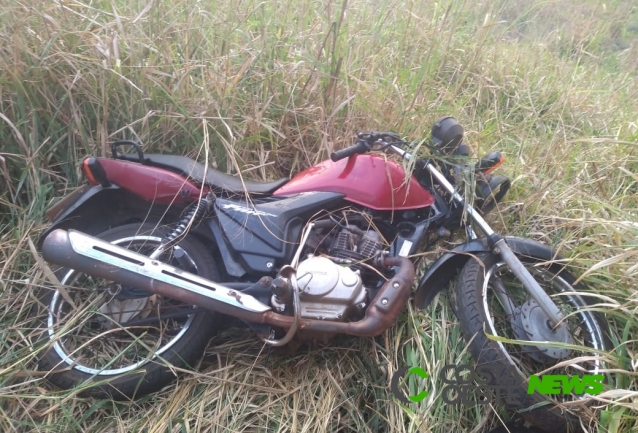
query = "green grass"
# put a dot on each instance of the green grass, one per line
(274, 87)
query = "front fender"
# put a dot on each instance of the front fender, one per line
(439, 275)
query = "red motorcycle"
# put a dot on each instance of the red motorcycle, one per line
(155, 248)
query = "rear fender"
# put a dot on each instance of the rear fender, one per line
(448, 265)
(129, 192)
(97, 209)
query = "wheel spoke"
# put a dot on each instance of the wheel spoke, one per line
(98, 332)
(503, 296)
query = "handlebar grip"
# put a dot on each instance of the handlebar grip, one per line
(360, 147)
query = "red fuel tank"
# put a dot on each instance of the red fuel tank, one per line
(368, 180)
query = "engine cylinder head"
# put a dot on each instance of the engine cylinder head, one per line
(345, 240)
(353, 243)
(370, 244)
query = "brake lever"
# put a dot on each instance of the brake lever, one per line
(382, 145)
(382, 141)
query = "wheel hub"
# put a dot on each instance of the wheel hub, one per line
(530, 323)
(120, 311)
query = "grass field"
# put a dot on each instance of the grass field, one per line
(272, 87)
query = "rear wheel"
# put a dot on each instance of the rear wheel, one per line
(120, 342)
(491, 301)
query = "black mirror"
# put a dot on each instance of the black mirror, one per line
(447, 134)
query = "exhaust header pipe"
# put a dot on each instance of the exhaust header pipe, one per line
(99, 258)
(102, 259)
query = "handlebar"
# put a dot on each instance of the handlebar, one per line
(366, 142)
(359, 147)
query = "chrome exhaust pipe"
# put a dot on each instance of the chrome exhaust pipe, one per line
(99, 258)
(93, 256)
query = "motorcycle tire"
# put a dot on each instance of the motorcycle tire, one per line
(480, 312)
(91, 345)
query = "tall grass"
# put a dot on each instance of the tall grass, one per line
(276, 86)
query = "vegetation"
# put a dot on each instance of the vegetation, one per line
(270, 88)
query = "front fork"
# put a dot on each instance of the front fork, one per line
(499, 246)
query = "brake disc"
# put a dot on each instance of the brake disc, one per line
(530, 323)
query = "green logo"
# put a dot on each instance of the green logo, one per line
(485, 380)
(563, 384)
(394, 385)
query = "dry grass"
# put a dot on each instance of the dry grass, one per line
(280, 84)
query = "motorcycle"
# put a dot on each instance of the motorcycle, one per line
(155, 249)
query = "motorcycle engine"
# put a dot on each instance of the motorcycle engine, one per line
(354, 243)
(332, 291)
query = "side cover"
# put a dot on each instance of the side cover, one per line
(368, 180)
(256, 239)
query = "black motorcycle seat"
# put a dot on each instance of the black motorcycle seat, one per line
(213, 178)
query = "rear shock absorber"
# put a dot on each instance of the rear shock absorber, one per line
(193, 217)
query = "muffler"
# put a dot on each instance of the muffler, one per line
(102, 259)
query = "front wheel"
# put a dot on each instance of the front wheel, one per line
(490, 301)
(120, 342)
